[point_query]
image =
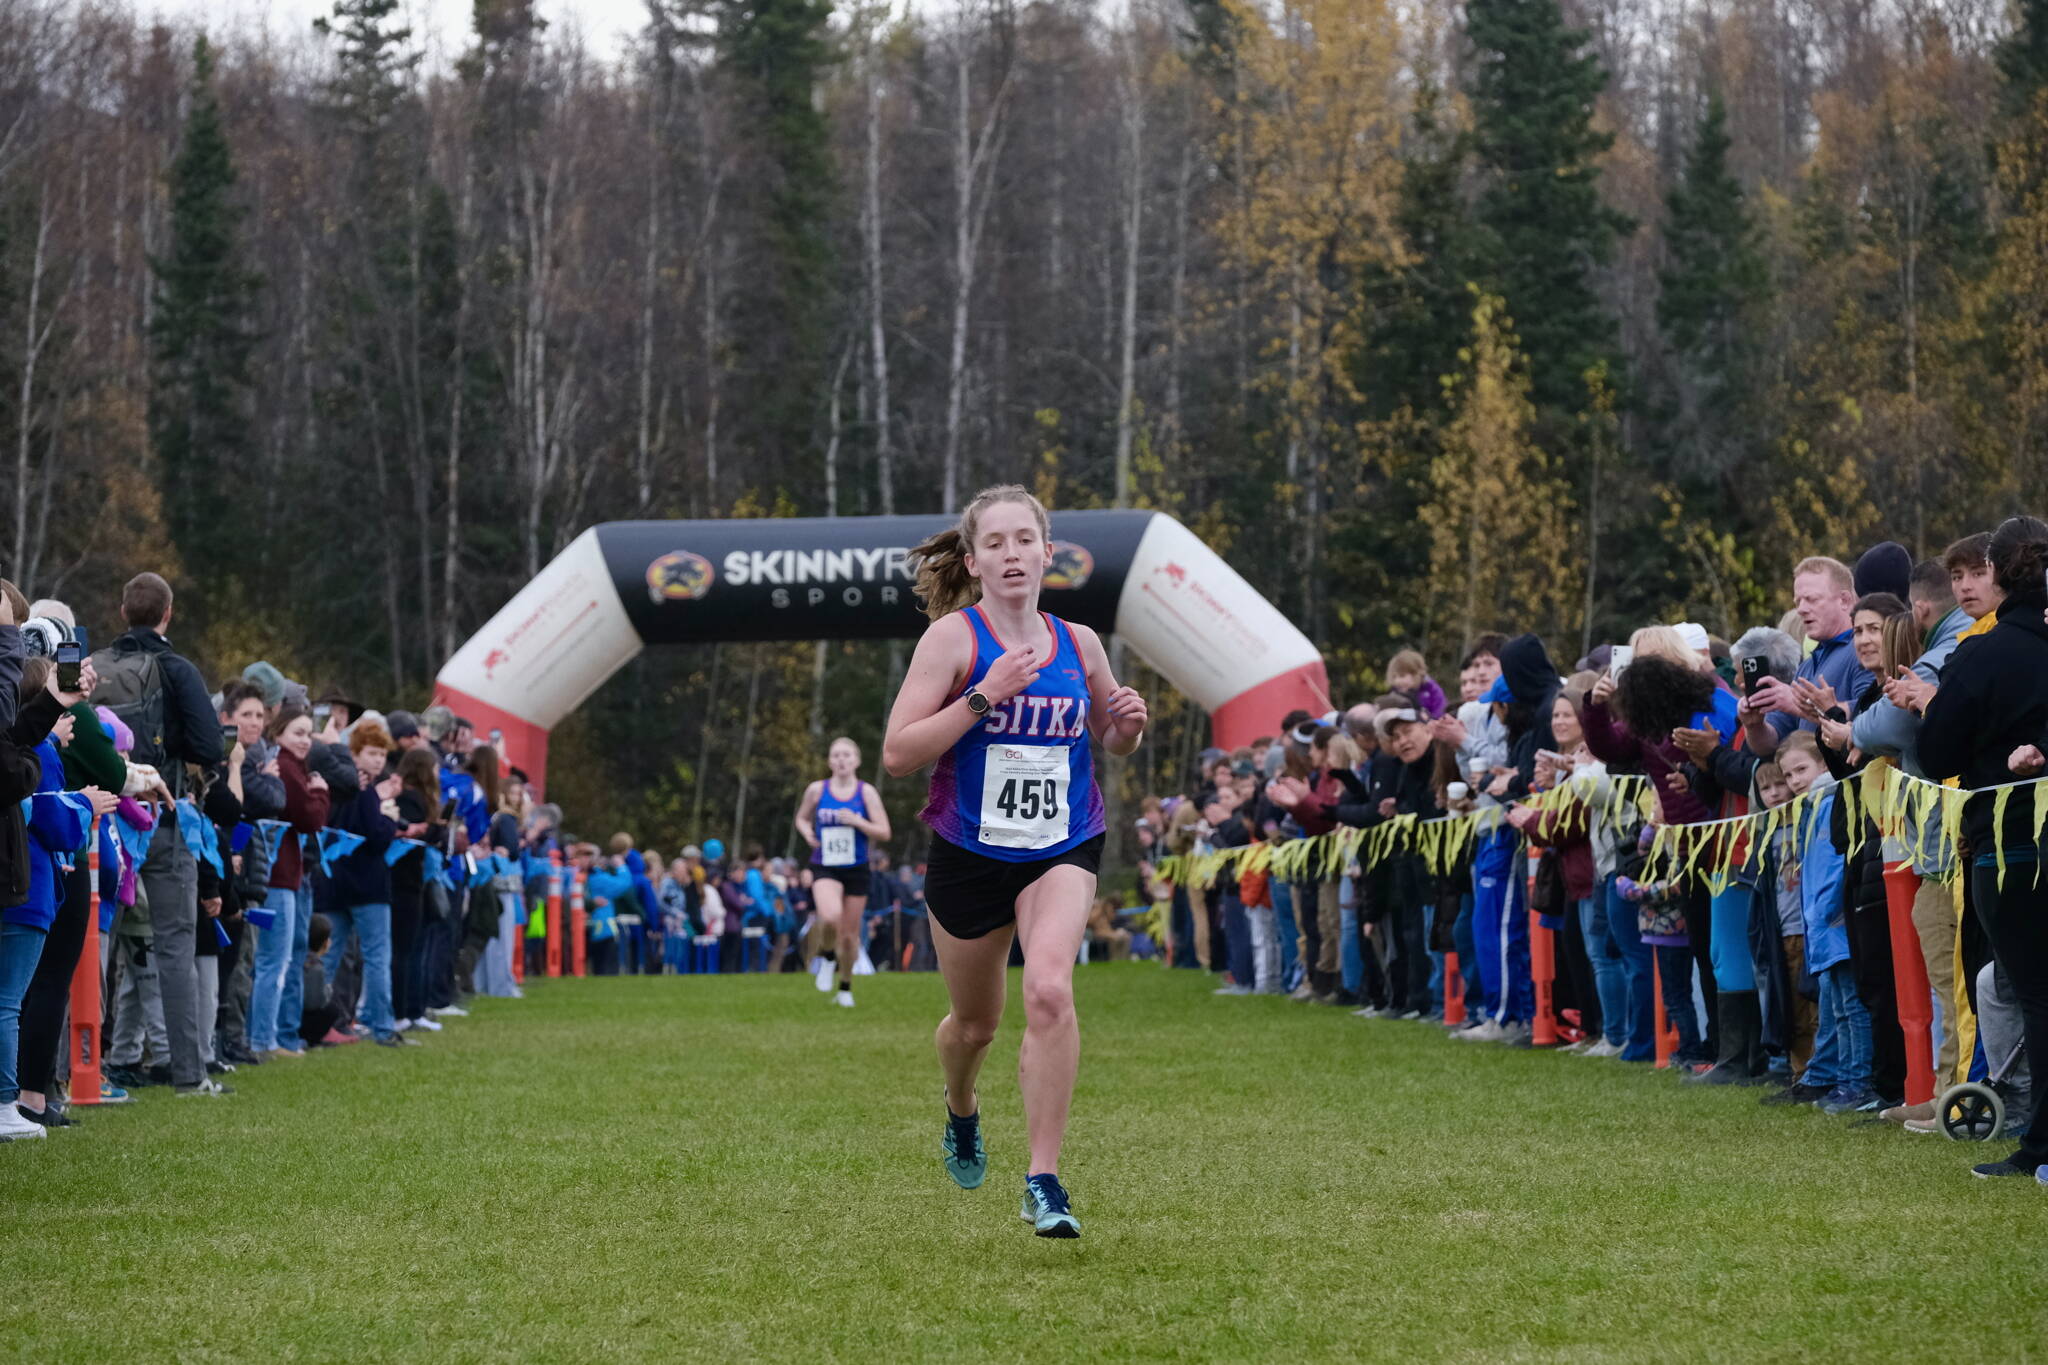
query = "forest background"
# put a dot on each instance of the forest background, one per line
(1552, 314)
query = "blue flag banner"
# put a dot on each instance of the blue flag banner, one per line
(200, 839)
(401, 848)
(272, 833)
(134, 842)
(239, 840)
(337, 843)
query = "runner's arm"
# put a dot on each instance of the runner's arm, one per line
(874, 821)
(804, 810)
(1116, 715)
(923, 724)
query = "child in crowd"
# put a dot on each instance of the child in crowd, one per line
(320, 1013)
(1660, 913)
(733, 893)
(1800, 1015)
(138, 1021)
(609, 897)
(1837, 1079)
(1408, 672)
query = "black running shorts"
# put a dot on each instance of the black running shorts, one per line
(972, 895)
(853, 881)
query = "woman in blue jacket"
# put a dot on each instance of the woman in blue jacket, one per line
(55, 825)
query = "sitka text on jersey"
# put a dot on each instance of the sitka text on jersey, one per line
(1020, 786)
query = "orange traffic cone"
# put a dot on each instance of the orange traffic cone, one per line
(85, 992)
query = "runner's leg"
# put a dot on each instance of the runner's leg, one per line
(975, 972)
(852, 908)
(1052, 915)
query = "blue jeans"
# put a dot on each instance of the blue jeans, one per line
(277, 987)
(1287, 931)
(1181, 919)
(1237, 937)
(371, 924)
(1609, 982)
(1841, 1045)
(1674, 973)
(21, 947)
(1734, 969)
(1352, 960)
(1625, 930)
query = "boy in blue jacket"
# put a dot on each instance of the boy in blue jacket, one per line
(1837, 1080)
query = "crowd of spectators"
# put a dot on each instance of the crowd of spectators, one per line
(1774, 954)
(281, 873)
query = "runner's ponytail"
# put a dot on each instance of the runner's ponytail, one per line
(943, 584)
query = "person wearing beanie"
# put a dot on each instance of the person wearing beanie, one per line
(264, 677)
(405, 730)
(1885, 567)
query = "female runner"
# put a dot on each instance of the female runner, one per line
(837, 817)
(1001, 699)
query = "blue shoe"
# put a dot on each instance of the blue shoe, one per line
(1845, 1099)
(1046, 1207)
(965, 1159)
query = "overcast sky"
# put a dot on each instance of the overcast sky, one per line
(442, 24)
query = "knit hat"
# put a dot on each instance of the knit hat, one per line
(1695, 636)
(402, 724)
(1885, 567)
(264, 677)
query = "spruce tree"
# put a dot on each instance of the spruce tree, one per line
(1533, 89)
(201, 334)
(1418, 317)
(2023, 57)
(778, 50)
(1713, 289)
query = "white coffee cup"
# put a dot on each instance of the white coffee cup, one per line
(1457, 791)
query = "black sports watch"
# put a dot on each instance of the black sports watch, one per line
(977, 703)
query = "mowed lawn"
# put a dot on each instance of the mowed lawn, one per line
(731, 1169)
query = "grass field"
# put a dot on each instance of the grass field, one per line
(731, 1169)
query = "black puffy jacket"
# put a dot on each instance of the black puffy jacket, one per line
(20, 773)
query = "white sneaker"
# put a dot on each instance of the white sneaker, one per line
(404, 1026)
(862, 966)
(1488, 1032)
(1603, 1048)
(826, 971)
(428, 1024)
(13, 1125)
(844, 1000)
(450, 1012)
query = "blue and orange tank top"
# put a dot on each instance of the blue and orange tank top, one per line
(1020, 786)
(841, 845)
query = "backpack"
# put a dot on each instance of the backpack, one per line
(132, 687)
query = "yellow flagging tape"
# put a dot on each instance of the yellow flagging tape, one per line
(1898, 803)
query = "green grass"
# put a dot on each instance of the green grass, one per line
(732, 1169)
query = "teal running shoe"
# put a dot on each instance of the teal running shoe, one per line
(1047, 1208)
(965, 1159)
